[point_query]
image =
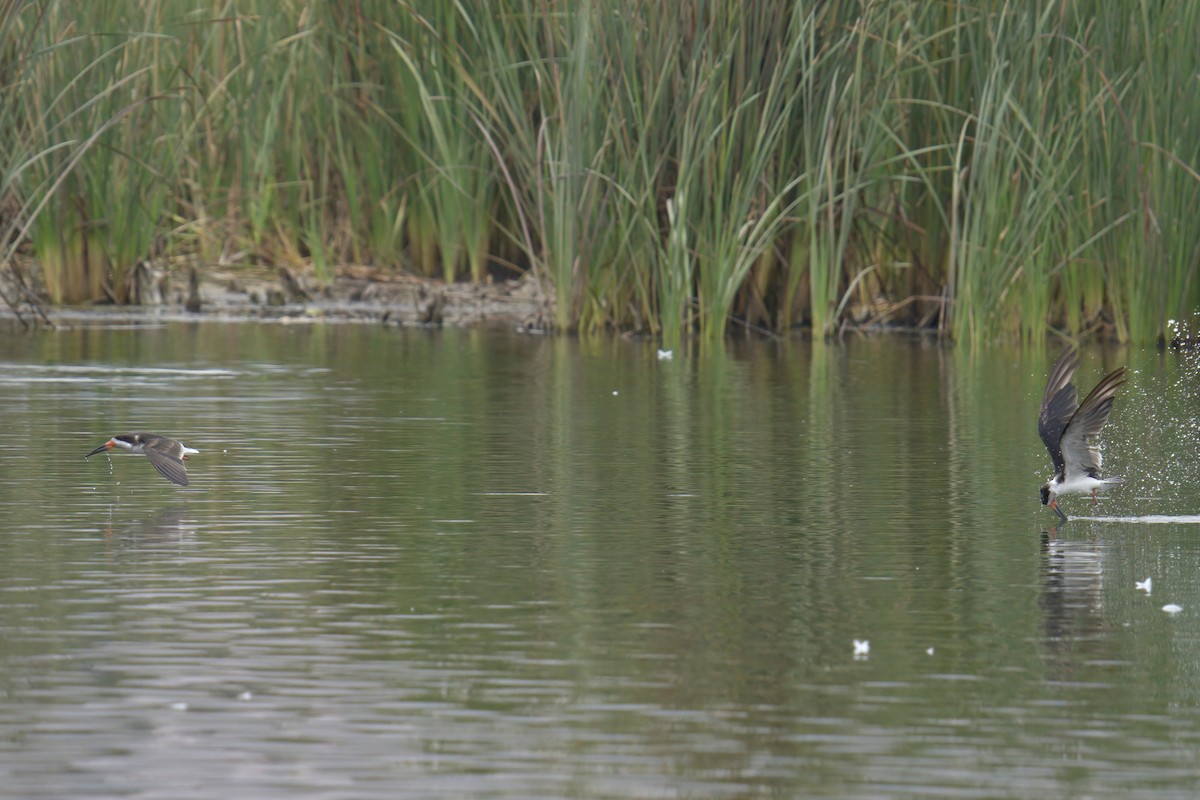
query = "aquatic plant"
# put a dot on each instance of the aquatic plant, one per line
(989, 171)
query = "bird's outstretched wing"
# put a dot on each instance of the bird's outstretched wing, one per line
(1058, 404)
(169, 467)
(1079, 440)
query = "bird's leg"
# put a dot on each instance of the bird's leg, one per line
(1094, 497)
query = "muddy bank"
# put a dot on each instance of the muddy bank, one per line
(355, 294)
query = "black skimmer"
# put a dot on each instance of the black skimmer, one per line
(1070, 431)
(167, 455)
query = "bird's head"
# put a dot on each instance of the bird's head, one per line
(109, 445)
(1046, 493)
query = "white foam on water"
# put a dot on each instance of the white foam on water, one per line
(1148, 519)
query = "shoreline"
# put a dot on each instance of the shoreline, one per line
(355, 295)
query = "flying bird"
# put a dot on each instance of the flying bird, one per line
(166, 455)
(1070, 431)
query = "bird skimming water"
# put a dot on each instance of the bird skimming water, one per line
(1070, 431)
(166, 455)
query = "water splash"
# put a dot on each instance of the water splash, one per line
(1153, 439)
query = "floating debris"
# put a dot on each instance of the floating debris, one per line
(1171, 608)
(929, 650)
(862, 648)
(615, 392)
(666, 355)
(1144, 585)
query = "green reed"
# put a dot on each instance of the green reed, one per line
(738, 193)
(1167, 152)
(85, 171)
(992, 171)
(454, 203)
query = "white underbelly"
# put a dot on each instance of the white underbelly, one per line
(1079, 484)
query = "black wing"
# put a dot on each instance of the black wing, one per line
(1078, 442)
(1058, 404)
(170, 468)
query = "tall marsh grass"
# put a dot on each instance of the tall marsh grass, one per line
(994, 170)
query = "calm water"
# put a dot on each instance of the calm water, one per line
(473, 564)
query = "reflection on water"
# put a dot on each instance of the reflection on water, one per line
(1072, 600)
(431, 564)
(165, 524)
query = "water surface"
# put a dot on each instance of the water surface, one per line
(418, 564)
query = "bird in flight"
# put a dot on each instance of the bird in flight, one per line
(166, 455)
(1071, 430)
